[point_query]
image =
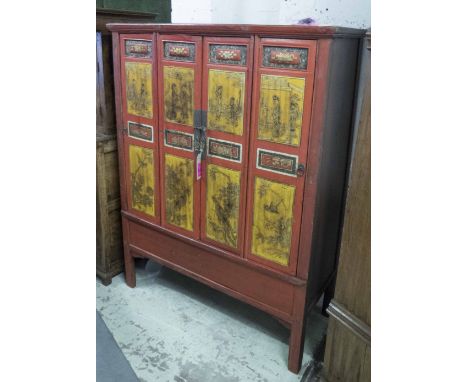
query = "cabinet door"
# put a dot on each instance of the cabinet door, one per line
(179, 101)
(140, 119)
(227, 70)
(282, 98)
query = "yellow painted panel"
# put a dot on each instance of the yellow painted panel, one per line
(178, 94)
(226, 101)
(139, 89)
(142, 179)
(179, 191)
(281, 107)
(272, 223)
(222, 204)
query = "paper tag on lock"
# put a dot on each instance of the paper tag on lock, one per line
(199, 168)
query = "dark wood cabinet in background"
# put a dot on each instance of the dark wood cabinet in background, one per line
(348, 347)
(233, 146)
(109, 251)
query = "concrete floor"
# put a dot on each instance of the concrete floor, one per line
(173, 328)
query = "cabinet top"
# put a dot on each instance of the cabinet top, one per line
(295, 31)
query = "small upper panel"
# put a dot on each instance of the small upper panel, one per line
(228, 54)
(282, 57)
(138, 48)
(179, 51)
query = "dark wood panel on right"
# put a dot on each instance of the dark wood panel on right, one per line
(348, 347)
(347, 357)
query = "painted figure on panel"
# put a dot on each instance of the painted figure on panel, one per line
(280, 114)
(222, 207)
(179, 191)
(276, 116)
(226, 101)
(178, 94)
(139, 89)
(272, 227)
(142, 179)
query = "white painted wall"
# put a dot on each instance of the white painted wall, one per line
(347, 13)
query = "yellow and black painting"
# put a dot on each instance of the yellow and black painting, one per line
(139, 89)
(142, 179)
(281, 107)
(222, 205)
(179, 191)
(226, 101)
(178, 95)
(272, 222)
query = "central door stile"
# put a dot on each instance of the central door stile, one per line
(226, 89)
(180, 58)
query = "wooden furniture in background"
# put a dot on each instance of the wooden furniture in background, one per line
(348, 347)
(233, 147)
(109, 253)
(131, 11)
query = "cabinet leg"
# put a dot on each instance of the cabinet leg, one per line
(296, 346)
(106, 281)
(130, 270)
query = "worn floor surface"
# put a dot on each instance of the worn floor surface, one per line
(173, 328)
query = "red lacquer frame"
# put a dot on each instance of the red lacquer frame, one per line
(196, 66)
(146, 121)
(300, 151)
(243, 139)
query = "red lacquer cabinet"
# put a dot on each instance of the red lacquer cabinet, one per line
(233, 146)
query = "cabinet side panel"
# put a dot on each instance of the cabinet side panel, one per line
(333, 161)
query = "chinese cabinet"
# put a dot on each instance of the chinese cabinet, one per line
(233, 146)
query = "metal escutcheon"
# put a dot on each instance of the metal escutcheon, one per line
(300, 170)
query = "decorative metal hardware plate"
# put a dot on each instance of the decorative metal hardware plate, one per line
(200, 132)
(179, 51)
(139, 48)
(277, 162)
(228, 54)
(281, 57)
(140, 131)
(178, 139)
(225, 150)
